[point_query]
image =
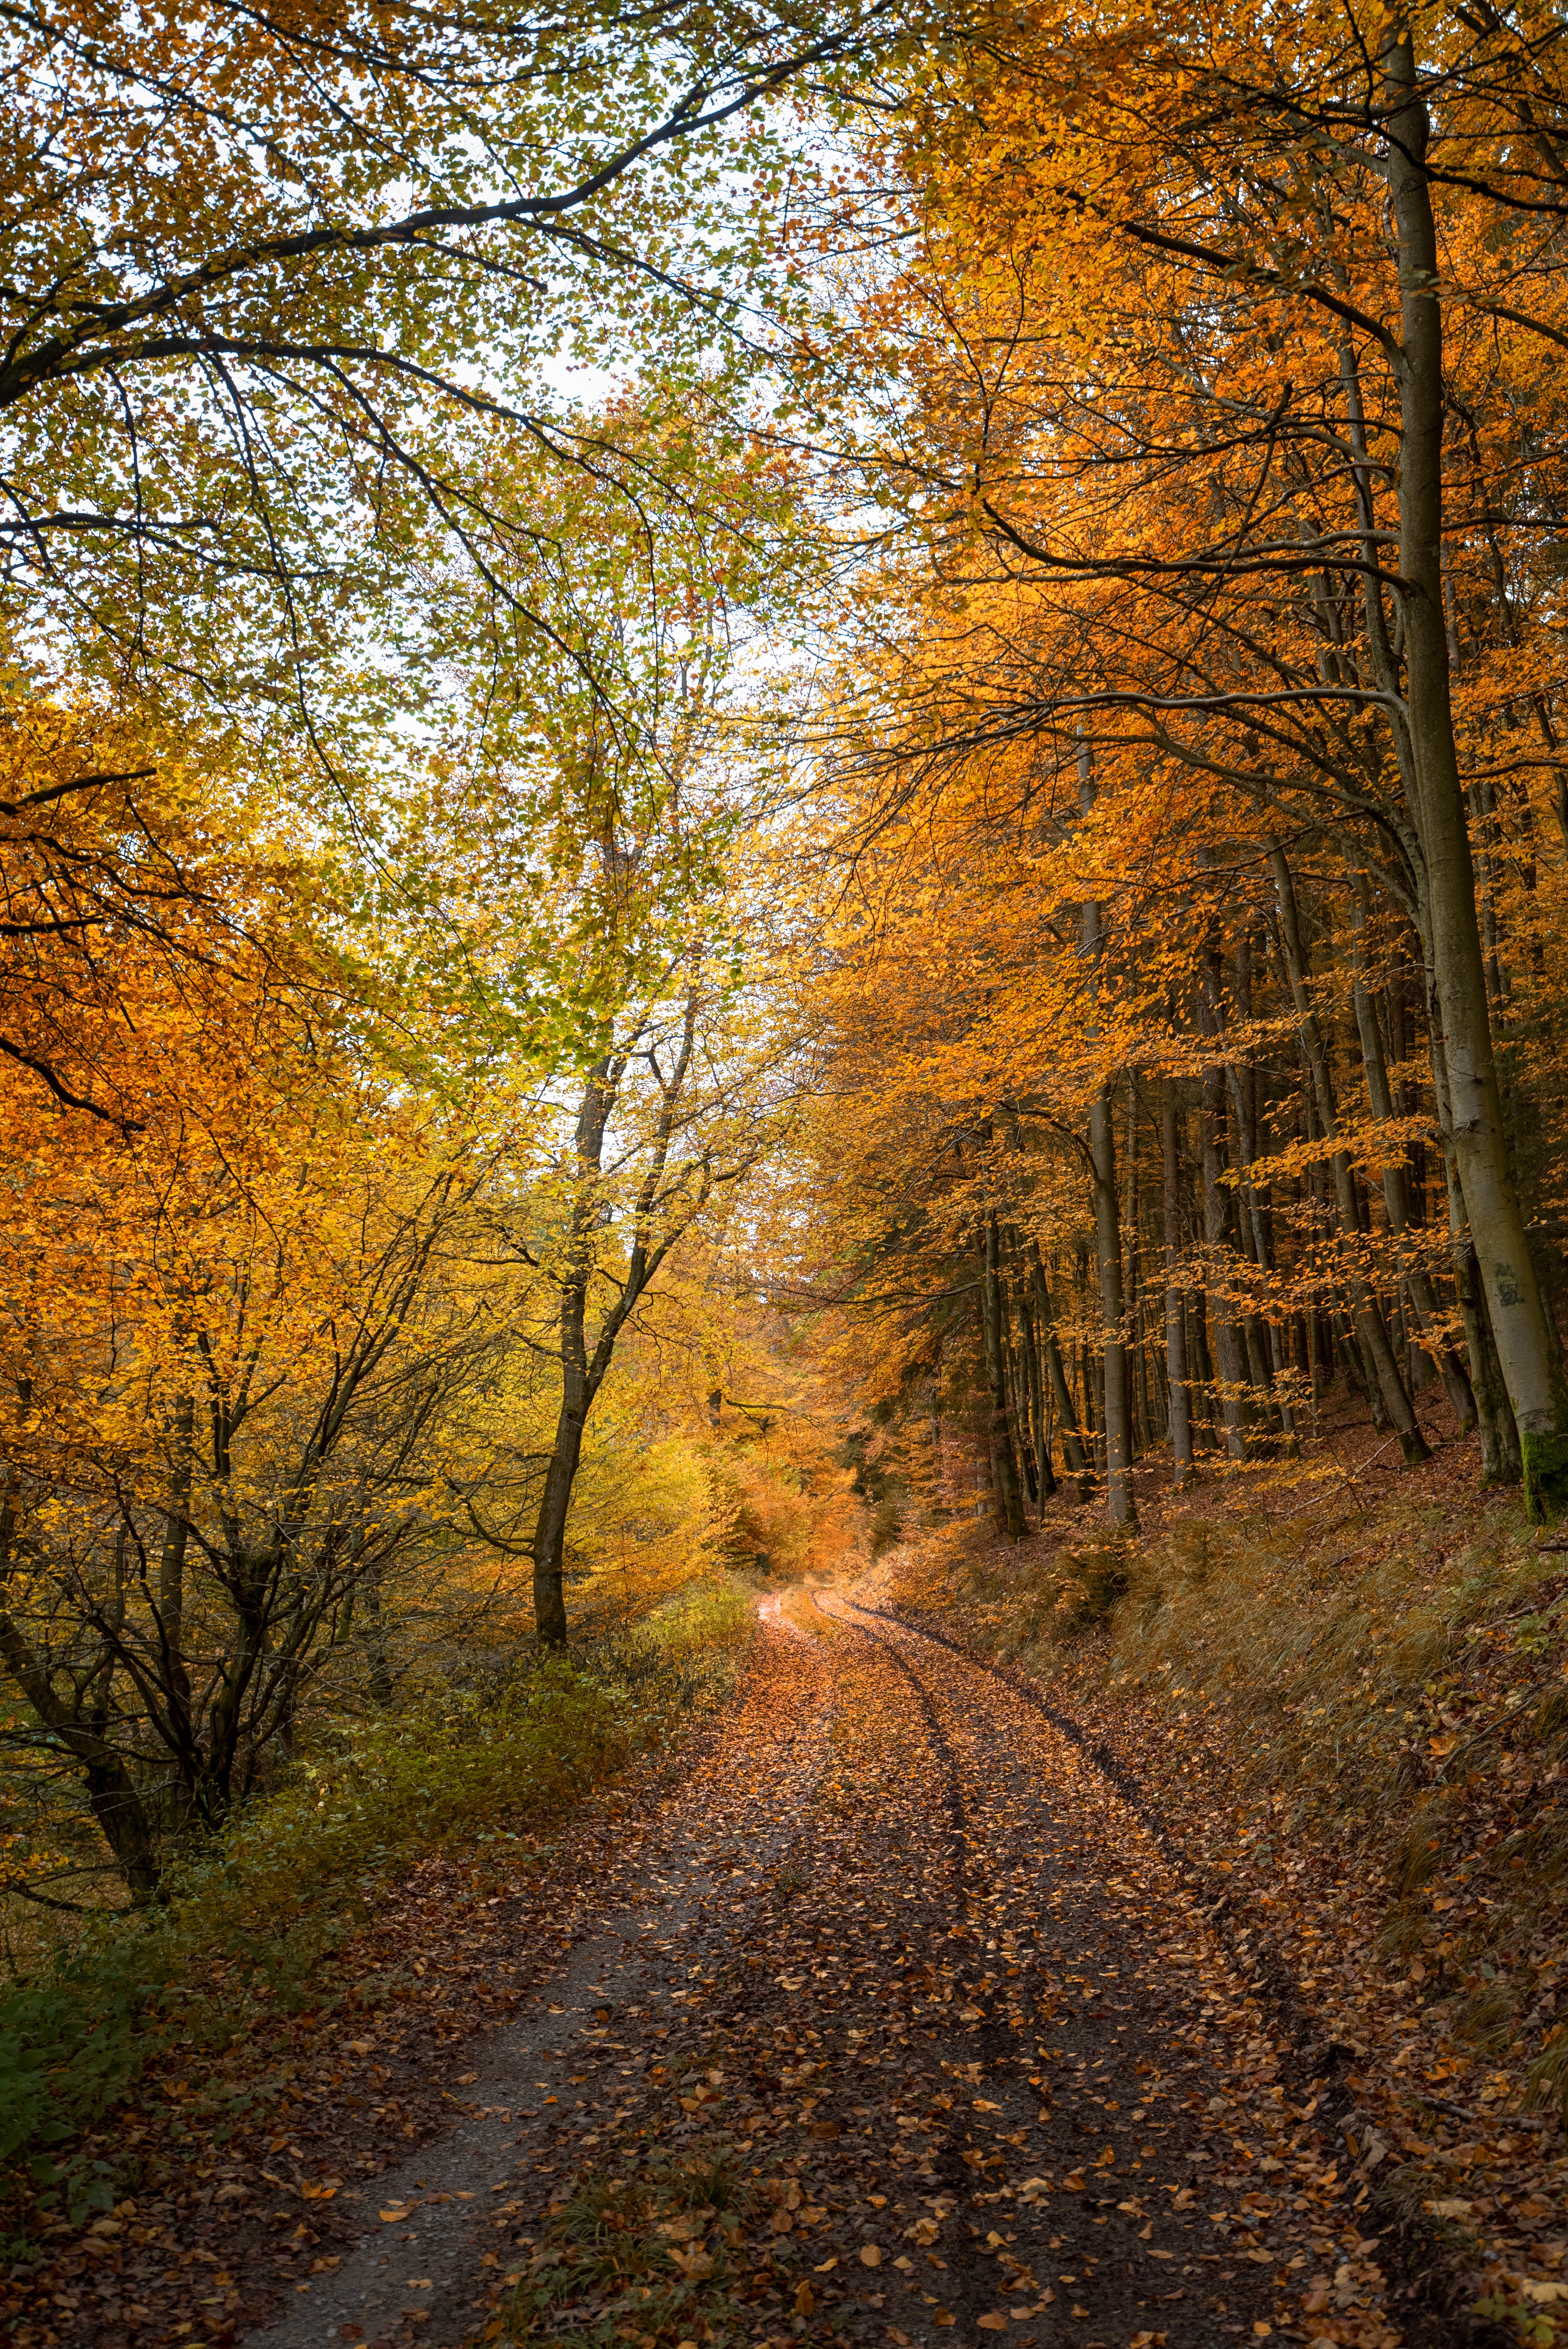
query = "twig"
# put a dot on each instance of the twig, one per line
(1480, 2120)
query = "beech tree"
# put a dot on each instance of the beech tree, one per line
(663, 1126)
(278, 289)
(1226, 355)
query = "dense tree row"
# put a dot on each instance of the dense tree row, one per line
(1202, 804)
(1146, 1171)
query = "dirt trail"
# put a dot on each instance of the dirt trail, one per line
(913, 1993)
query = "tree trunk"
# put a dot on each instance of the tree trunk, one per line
(1073, 1454)
(1265, 1343)
(1370, 1326)
(655, 1228)
(1417, 1281)
(1131, 1281)
(577, 1386)
(1175, 1327)
(1514, 1304)
(1205, 1380)
(1007, 1497)
(1500, 1461)
(1034, 1379)
(1119, 1504)
(550, 1529)
(1230, 1375)
(1020, 1400)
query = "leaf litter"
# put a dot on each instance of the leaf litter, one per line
(916, 2037)
(974, 2064)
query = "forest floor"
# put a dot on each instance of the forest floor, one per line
(1337, 1696)
(882, 2019)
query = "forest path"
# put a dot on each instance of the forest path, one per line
(915, 2036)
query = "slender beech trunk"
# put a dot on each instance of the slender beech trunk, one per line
(1131, 1281)
(583, 1371)
(1370, 1326)
(1073, 1454)
(1007, 1497)
(1175, 1325)
(577, 1393)
(1266, 1340)
(1230, 1380)
(1120, 1505)
(1477, 1135)
(555, 1502)
(1031, 1350)
(1206, 1380)
(938, 1472)
(1416, 1279)
(1500, 1461)
(1020, 1407)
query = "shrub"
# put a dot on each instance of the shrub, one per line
(286, 1887)
(704, 1614)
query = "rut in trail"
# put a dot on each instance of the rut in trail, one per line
(915, 2040)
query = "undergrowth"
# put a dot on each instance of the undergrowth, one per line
(1385, 1679)
(702, 1618)
(250, 1922)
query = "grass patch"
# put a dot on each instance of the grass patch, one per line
(702, 1619)
(696, 2249)
(655, 2261)
(253, 1924)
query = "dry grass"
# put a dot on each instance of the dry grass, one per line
(1388, 1675)
(1345, 1696)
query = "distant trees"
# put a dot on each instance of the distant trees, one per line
(1241, 1069)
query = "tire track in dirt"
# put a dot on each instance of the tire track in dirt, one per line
(1430, 2290)
(953, 1786)
(1057, 2069)
(907, 2034)
(1032, 2101)
(418, 2263)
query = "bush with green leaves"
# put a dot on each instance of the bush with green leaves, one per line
(262, 1908)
